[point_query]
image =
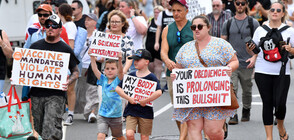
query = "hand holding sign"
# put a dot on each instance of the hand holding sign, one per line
(105, 45)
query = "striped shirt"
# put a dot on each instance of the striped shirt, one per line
(216, 26)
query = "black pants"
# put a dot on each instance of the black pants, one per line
(268, 86)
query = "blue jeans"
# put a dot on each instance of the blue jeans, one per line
(2, 82)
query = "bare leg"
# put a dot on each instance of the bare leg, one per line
(282, 130)
(130, 135)
(214, 129)
(269, 132)
(194, 129)
(71, 96)
(101, 136)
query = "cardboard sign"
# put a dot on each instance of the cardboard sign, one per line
(201, 87)
(198, 7)
(106, 45)
(138, 88)
(37, 68)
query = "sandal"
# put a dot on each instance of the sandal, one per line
(282, 137)
(225, 128)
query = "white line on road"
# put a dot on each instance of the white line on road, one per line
(160, 111)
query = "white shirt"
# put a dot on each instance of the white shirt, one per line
(290, 10)
(71, 30)
(159, 18)
(135, 36)
(266, 67)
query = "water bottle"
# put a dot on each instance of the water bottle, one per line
(3, 100)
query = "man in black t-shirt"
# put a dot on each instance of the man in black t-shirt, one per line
(77, 8)
(48, 105)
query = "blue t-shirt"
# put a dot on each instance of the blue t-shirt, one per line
(136, 110)
(111, 101)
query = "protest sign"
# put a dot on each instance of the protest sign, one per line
(106, 45)
(38, 68)
(201, 87)
(138, 88)
(198, 7)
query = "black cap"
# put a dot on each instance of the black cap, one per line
(141, 53)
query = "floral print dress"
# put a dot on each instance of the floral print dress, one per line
(218, 52)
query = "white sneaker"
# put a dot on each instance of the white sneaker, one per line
(92, 118)
(68, 121)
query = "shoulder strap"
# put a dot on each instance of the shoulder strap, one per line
(1, 34)
(228, 28)
(250, 23)
(198, 53)
(284, 28)
(266, 28)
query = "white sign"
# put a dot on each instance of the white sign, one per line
(201, 87)
(38, 68)
(198, 7)
(138, 88)
(106, 45)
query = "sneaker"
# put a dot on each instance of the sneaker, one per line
(233, 120)
(92, 118)
(69, 120)
(245, 115)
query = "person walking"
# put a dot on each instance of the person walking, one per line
(174, 36)
(48, 105)
(235, 31)
(273, 77)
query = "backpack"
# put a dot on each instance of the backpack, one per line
(272, 44)
(250, 24)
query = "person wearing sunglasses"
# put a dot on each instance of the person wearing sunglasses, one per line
(79, 18)
(217, 17)
(235, 30)
(272, 80)
(215, 52)
(174, 36)
(37, 31)
(48, 105)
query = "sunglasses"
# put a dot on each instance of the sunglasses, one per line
(179, 36)
(199, 26)
(54, 26)
(215, 5)
(242, 3)
(273, 10)
(43, 15)
(73, 9)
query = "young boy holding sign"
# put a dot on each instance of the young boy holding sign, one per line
(136, 112)
(110, 111)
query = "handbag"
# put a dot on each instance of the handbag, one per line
(15, 118)
(234, 101)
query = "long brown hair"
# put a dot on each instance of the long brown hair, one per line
(66, 11)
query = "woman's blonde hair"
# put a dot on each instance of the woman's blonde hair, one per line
(283, 19)
(122, 17)
(158, 7)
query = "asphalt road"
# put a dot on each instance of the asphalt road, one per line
(165, 129)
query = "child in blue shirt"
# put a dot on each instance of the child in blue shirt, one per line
(110, 111)
(139, 114)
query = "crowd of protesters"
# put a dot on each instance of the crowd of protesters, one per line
(157, 38)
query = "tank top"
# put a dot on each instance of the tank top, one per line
(186, 36)
(150, 40)
(166, 19)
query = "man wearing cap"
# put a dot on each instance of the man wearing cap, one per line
(37, 30)
(174, 36)
(48, 105)
(235, 30)
(87, 93)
